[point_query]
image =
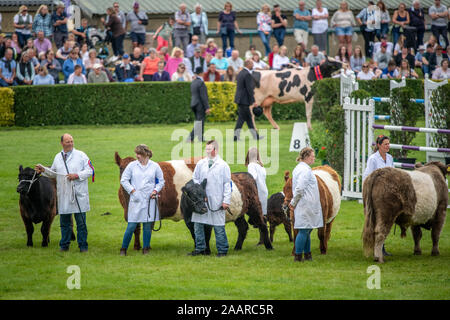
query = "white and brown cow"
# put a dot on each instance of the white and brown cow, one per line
(416, 199)
(290, 85)
(330, 200)
(176, 174)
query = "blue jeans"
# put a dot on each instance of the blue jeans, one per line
(265, 39)
(117, 45)
(22, 38)
(221, 238)
(279, 34)
(395, 35)
(230, 34)
(384, 30)
(303, 241)
(147, 230)
(3, 83)
(66, 230)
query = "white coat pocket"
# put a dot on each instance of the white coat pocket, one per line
(134, 197)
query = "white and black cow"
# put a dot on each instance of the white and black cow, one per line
(291, 85)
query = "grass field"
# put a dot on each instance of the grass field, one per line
(167, 273)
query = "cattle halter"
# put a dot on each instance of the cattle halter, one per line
(318, 73)
(33, 180)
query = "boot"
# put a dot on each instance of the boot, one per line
(385, 253)
(298, 257)
(308, 256)
(123, 252)
(145, 250)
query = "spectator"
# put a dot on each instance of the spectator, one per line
(15, 43)
(419, 56)
(439, 17)
(208, 58)
(230, 75)
(342, 55)
(125, 71)
(8, 44)
(0, 22)
(161, 74)
(235, 62)
(443, 72)
(81, 33)
(357, 59)
(77, 77)
(118, 32)
(301, 18)
(433, 41)
(343, 21)
(25, 70)
(279, 24)
(417, 20)
(275, 51)
(399, 45)
(315, 57)
(211, 47)
(391, 72)
(429, 60)
(182, 27)
(440, 55)
(384, 21)
(120, 14)
(405, 53)
(227, 25)
(197, 61)
(43, 22)
(211, 75)
(203, 50)
(264, 21)
(163, 55)
(32, 54)
(199, 25)
(91, 61)
(43, 78)
(174, 61)
(41, 43)
(382, 58)
(23, 22)
(400, 20)
(163, 34)
(251, 52)
(373, 67)
(192, 46)
(298, 58)
(220, 62)
(98, 76)
(84, 52)
(2, 45)
(319, 26)
(149, 66)
(138, 21)
(59, 22)
(29, 45)
(8, 69)
(281, 60)
(366, 20)
(136, 59)
(181, 74)
(406, 71)
(258, 64)
(52, 65)
(71, 62)
(366, 73)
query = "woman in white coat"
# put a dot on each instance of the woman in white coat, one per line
(143, 179)
(306, 203)
(256, 169)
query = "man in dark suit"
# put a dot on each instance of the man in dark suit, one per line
(199, 105)
(244, 98)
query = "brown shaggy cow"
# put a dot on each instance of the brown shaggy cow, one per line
(330, 201)
(176, 174)
(277, 216)
(416, 198)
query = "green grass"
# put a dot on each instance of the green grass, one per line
(167, 273)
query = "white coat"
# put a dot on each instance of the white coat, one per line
(143, 180)
(259, 174)
(77, 162)
(375, 162)
(306, 198)
(218, 190)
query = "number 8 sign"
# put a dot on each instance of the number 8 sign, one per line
(300, 137)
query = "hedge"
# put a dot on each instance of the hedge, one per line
(6, 107)
(162, 102)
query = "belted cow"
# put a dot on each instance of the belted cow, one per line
(290, 85)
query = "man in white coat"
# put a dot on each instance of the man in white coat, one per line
(218, 191)
(71, 168)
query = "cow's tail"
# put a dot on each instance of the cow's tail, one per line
(368, 235)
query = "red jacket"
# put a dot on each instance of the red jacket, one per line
(206, 76)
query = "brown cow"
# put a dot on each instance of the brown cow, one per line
(290, 85)
(330, 200)
(176, 174)
(416, 198)
(276, 215)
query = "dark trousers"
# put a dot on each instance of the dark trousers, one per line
(117, 45)
(244, 115)
(199, 124)
(66, 230)
(369, 37)
(279, 34)
(22, 38)
(60, 38)
(230, 35)
(440, 31)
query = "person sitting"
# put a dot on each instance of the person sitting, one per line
(406, 71)
(125, 71)
(251, 52)
(366, 73)
(342, 55)
(428, 60)
(373, 67)
(174, 61)
(149, 66)
(8, 69)
(41, 43)
(235, 62)
(315, 57)
(275, 51)
(377, 45)
(25, 70)
(220, 62)
(197, 61)
(161, 74)
(62, 54)
(391, 72)
(43, 78)
(357, 59)
(419, 56)
(81, 33)
(77, 77)
(98, 75)
(211, 47)
(405, 53)
(211, 75)
(91, 61)
(71, 62)
(443, 72)
(383, 57)
(259, 64)
(52, 65)
(230, 75)
(440, 55)
(298, 58)
(399, 45)
(136, 59)
(181, 74)
(281, 60)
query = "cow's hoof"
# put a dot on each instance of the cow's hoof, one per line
(417, 252)
(323, 252)
(29, 244)
(237, 249)
(44, 244)
(137, 248)
(435, 253)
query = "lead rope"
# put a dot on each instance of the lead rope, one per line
(154, 213)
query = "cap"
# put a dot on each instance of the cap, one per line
(421, 47)
(384, 44)
(97, 66)
(197, 50)
(136, 5)
(125, 56)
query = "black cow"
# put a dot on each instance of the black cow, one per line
(276, 215)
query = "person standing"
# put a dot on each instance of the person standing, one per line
(118, 33)
(43, 22)
(138, 22)
(400, 19)
(279, 24)
(343, 21)
(264, 21)
(23, 23)
(305, 203)
(217, 174)
(227, 25)
(143, 179)
(71, 168)
(301, 18)
(366, 20)
(319, 26)
(59, 21)
(199, 23)
(181, 27)
(417, 20)
(244, 98)
(256, 169)
(199, 105)
(439, 16)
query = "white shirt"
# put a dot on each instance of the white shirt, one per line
(319, 26)
(144, 179)
(375, 162)
(27, 17)
(260, 65)
(259, 174)
(365, 76)
(278, 62)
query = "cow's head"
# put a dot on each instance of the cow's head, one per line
(331, 66)
(196, 196)
(122, 163)
(288, 195)
(27, 177)
(444, 169)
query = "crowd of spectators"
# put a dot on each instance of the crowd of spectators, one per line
(182, 44)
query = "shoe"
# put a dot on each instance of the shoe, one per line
(123, 252)
(298, 257)
(84, 250)
(219, 255)
(236, 139)
(145, 250)
(258, 137)
(114, 58)
(63, 249)
(308, 256)
(385, 253)
(197, 253)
